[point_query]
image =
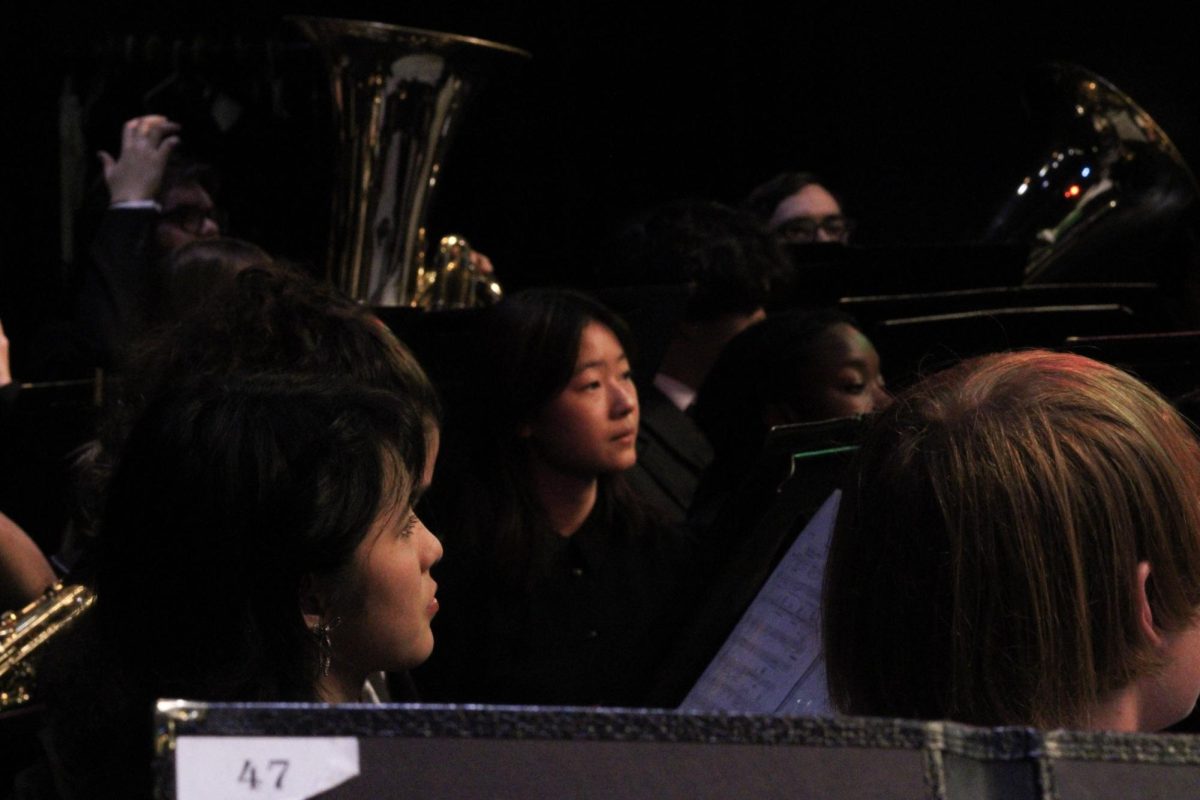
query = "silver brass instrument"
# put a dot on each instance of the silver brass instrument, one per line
(1112, 193)
(397, 95)
(24, 632)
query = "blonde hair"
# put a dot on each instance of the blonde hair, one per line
(984, 563)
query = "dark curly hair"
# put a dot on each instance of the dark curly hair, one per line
(730, 262)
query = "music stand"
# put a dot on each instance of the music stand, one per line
(824, 273)
(1142, 298)
(799, 467)
(913, 346)
(1167, 361)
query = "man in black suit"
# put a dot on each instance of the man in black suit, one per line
(723, 266)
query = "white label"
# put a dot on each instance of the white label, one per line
(261, 767)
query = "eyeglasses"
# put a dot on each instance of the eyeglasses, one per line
(804, 229)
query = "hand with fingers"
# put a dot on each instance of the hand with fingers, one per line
(146, 142)
(482, 263)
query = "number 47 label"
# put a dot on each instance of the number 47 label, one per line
(261, 767)
(277, 766)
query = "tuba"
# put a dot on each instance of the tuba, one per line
(1112, 200)
(398, 94)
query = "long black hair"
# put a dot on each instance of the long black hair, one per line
(533, 344)
(229, 493)
(264, 319)
(254, 444)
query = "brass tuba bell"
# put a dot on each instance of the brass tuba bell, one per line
(397, 95)
(1112, 199)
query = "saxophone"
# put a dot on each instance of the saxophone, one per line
(24, 632)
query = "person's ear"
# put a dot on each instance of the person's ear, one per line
(313, 601)
(1145, 615)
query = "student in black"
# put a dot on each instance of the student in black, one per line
(558, 586)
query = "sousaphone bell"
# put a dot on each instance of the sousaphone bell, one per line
(1111, 200)
(398, 94)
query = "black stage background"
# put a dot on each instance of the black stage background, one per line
(914, 114)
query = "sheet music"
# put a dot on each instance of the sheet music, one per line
(772, 662)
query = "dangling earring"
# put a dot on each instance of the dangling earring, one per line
(324, 645)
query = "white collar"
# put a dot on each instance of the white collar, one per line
(679, 393)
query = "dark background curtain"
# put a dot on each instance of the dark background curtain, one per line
(912, 113)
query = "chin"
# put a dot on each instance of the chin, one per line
(413, 659)
(621, 464)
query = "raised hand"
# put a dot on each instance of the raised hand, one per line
(146, 142)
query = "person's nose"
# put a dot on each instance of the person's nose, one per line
(432, 548)
(623, 398)
(209, 229)
(881, 398)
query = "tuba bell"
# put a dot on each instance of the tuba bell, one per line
(398, 94)
(1112, 199)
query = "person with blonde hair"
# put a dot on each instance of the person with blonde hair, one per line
(1020, 545)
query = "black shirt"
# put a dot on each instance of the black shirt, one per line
(589, 628)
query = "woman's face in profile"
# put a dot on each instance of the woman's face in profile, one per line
(590, 427)
(393, 596)
(843, 378)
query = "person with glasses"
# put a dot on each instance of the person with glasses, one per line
(187, 213)
(158, 203)
(149, 174)
(797, 208)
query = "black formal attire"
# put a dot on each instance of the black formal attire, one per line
(121, 283)
(672, 455)
(588, 626)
